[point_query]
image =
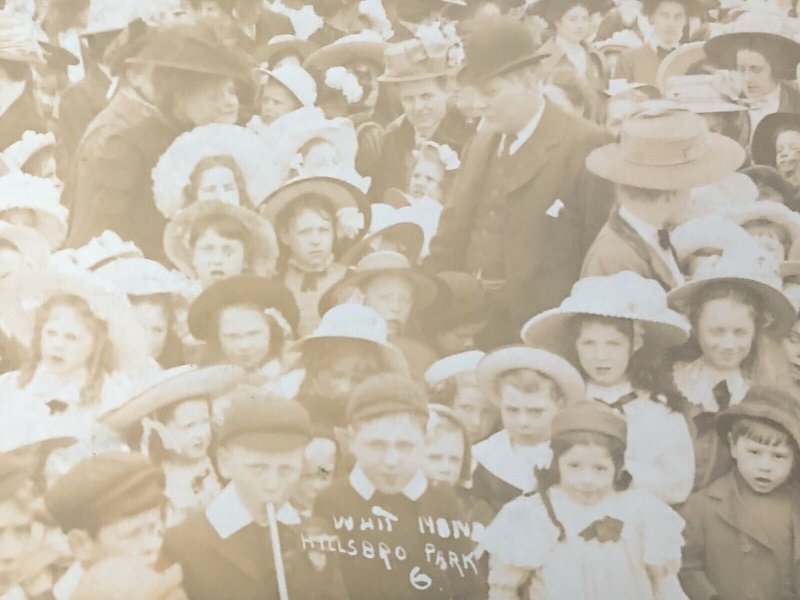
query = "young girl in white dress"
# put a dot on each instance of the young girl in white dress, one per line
(584, 536)
(615, 329)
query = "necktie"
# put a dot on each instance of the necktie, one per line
(626, 399)
(722, 395)
(666, 243)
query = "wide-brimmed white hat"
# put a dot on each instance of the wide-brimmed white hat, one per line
(144, 277)
(22, 293)
(295, 79)
(101, 250)
(20, 190)
(31, 244)
(511, 358)
(455, 364)
(254, 157)
(732, 191)
(382, 262)
(771, 212)
(178, 233)
(740, 269)
(713, 232)
(624, 295)
(357, 322)
(666, 149)
(366, 45)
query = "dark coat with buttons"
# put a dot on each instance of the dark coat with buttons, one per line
(726, 553)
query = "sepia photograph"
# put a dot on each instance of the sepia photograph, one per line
(399, 300)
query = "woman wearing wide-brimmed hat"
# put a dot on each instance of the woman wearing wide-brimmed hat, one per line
(738, 314)
(613, 328)
(759, 45)
(197, 81)
(774, 227)
(776, 143)
(314, 217)
(220, 162)
(170, 421)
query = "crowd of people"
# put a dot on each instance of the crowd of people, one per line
(402, 299)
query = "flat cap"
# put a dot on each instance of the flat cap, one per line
(254, 418)
(590, 417)
(385, 394)
(103, 489)
(766, 403)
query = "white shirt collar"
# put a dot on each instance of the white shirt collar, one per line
(364, 487)
(514, 466)
(649, 234)
(526, 132)
(228, 515)
(575, 53)
(608, 394)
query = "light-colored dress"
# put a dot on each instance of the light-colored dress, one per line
(642, 564)
(659, 454)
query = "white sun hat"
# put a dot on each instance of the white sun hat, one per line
(20, 190)
(455, 364)
(143, 277)
(771, 212)
(295, 79)
(714, 232)
(254, 157)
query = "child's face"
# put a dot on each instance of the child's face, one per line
(527, 414)
(66, 341)
(575, 25)
(276, 101)
(244, 336)
(319, 466)
(310, 238)
(16, 535)
(338, 376)
(139, 536)
(770, 239)
(213, 101)
(604, 352)
(20, 216)
(190, 426)
(261, 476)
(390, 450)
(586, 473)
(791, 344)
(10, 261)
(460, 338)
(725, 332)
(218, 183)
(215, 258)
(153, 318)
(392, 297)
(444, 456)
(764, 467)
(475, 411)
(426, 180)
(320, 159)
(787, 155)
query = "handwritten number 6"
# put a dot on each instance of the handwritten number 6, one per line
(419, 579)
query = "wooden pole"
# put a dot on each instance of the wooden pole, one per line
(277, 556)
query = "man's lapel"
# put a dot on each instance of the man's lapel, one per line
(643, 249)
(731, 511)
(528, 161)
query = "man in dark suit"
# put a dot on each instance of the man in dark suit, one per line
(522, 209)
(226, 551)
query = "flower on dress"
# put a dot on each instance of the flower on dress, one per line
(603, 530)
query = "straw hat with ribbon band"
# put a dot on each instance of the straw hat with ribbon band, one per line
(102, 250)
(498, 47)
(624, 295)
(255, 158)
(18, 40)
(195, 49)
(663, 149)
(295, 79)
(365, 46)
(739, 269)
(22, 293)
(449, 366)
(141, 277)
(383, 262)
(178, 235)
(390, 225)
(19, 190)
(281, 45)
(175, 385)
(699, 94)
(32, 246)
(749, 29)
(711, 232)
(414, 60)
(350, 204)
(770, 212)
(512, 358)
(766, 136)
(271, 296)
(764, 403)
(356, 322)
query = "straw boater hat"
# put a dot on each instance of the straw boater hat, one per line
(662, 149)
(743, 270)
(32, 246)
(356, 322)
(755, 27)
(141, 277)
(387, 223)
(254, 157)
(383, 262)
(20, 190)
(771, 212)
(177, 235)
(367, 46)
(710, 232)
(511, 358)
(449, 366)
(241, 289)
(174, 385)
(22, 293)
(624, 295)
(295, 79)
(766, 135)
(414, 60)
(344, 197)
